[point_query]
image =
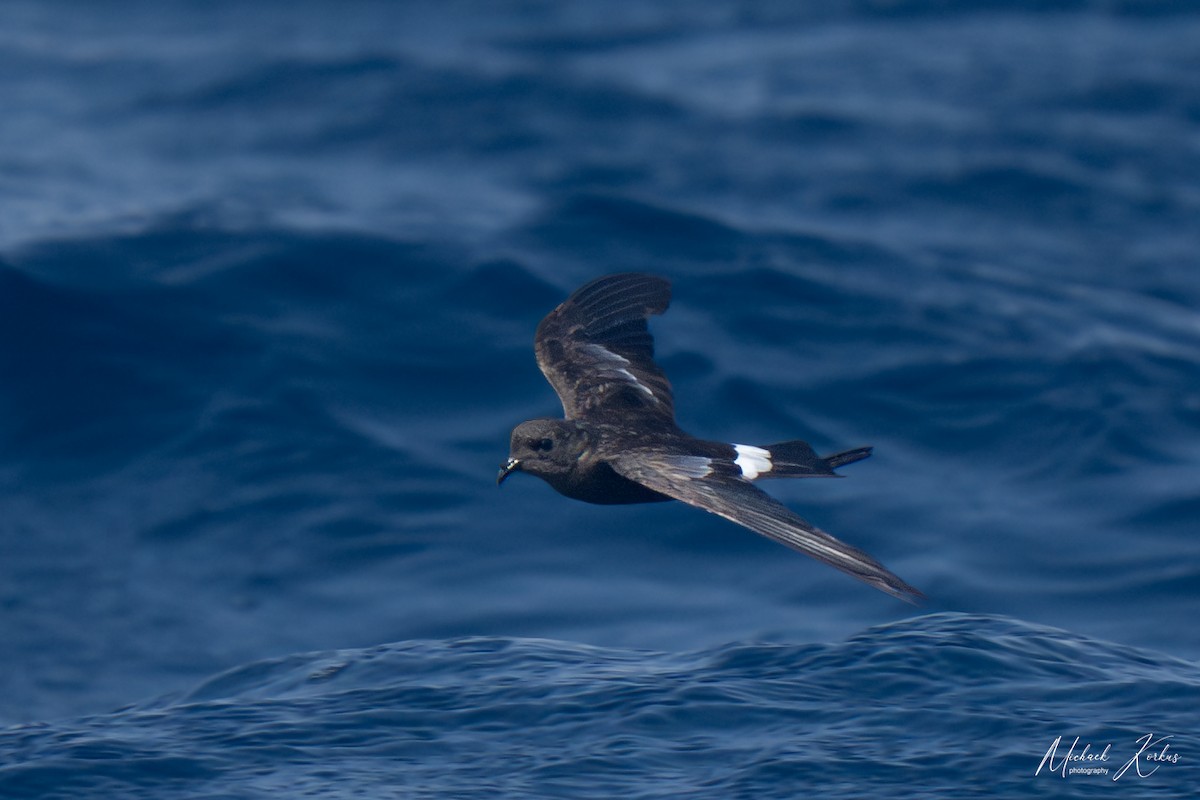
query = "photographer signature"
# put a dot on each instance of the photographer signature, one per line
(1151, 754)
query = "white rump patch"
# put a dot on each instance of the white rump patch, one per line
(752, 461)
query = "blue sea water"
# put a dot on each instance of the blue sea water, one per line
(269, 275)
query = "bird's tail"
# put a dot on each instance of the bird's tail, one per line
(794, 459)
(847, 457)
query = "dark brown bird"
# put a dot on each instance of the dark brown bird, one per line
(619, 442)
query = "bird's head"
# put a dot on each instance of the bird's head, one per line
(548, 448)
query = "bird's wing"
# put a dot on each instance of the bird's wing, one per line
(596, 349)
(718, 487)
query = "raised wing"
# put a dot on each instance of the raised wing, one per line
(596, 349)
(717, 487)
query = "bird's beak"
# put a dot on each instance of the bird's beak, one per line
(507, 469)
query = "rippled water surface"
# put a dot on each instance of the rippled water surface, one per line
(269, 275)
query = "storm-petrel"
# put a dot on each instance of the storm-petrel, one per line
(619, 442)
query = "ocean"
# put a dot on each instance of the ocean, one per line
(269, 278)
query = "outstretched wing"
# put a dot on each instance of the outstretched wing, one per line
(596, 349)
(719, 488)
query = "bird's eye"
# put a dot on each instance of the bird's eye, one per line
(541, 444)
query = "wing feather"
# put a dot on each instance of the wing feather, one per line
(726, 494)
(595, 349)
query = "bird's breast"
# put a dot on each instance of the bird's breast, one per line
(603, 485)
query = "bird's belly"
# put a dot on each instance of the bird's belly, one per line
(604, 486)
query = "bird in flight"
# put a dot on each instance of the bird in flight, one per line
(619, 442)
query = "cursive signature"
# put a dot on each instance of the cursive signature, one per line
(1071, 756)
(1157, 758)
(1151, 754)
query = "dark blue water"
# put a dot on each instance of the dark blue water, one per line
(269, 275)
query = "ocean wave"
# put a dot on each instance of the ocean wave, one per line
(919, 703)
